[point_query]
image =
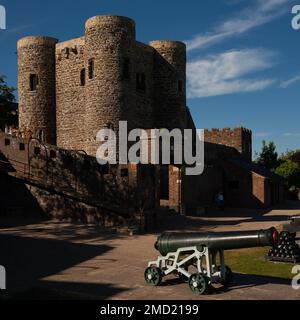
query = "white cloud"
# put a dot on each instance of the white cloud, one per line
(292, 134)
(225, 73)
(260, 13)
(285, 84)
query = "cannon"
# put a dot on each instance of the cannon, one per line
(199, 257)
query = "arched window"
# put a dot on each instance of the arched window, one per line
(126, 69)
(91, 68)
(82, 77)
(33, 82)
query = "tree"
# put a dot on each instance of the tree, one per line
(268, 157)
(290, 171)
(6, 101)
(295, 156)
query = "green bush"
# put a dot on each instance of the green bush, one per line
(290, 171)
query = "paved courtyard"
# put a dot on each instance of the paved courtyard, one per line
(86, 261)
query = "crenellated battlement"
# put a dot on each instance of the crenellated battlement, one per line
(239, 138)
(229, 130)
(69, 49)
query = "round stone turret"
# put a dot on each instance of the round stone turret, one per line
(170, 83)
(112, 24)
(36, 86)
(109, 45)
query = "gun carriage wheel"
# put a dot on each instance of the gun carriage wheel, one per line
(153, 276)
(199, 283)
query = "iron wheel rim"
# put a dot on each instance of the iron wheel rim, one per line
(153, 276)
(198, 283)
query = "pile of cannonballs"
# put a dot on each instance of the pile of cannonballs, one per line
(286, 250)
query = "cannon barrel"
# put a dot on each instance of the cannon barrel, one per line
(172, 241)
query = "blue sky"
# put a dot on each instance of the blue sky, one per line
(243, 55)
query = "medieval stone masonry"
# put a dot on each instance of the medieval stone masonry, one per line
(238, 138)
(70, 90)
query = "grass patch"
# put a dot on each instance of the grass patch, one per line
(252, 261)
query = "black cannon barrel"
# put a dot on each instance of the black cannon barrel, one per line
(172, 241)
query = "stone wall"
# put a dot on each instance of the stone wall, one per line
(238, 187)
(59, 178)
(244, 188)
(200, 191)
(70, 95)
(140, 113)
(108, 42)
(142, 84)
(260, 190)
(175, 188)
(169, 84)
(37, 108)
(237, 138)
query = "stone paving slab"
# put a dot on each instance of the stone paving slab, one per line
(88, 261)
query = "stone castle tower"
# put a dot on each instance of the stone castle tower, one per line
(36, 86)
(70, 90)
(238, 138)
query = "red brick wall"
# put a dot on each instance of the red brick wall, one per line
(249, 192)
(260, 191)
(201, 190)
(237, 138)
(175, 192)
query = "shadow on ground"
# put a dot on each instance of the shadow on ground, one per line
(245, 281)
(58, 229)
(28, 261)
(239, 281)
(230, 217)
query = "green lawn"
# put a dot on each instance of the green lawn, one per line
(252, 261)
